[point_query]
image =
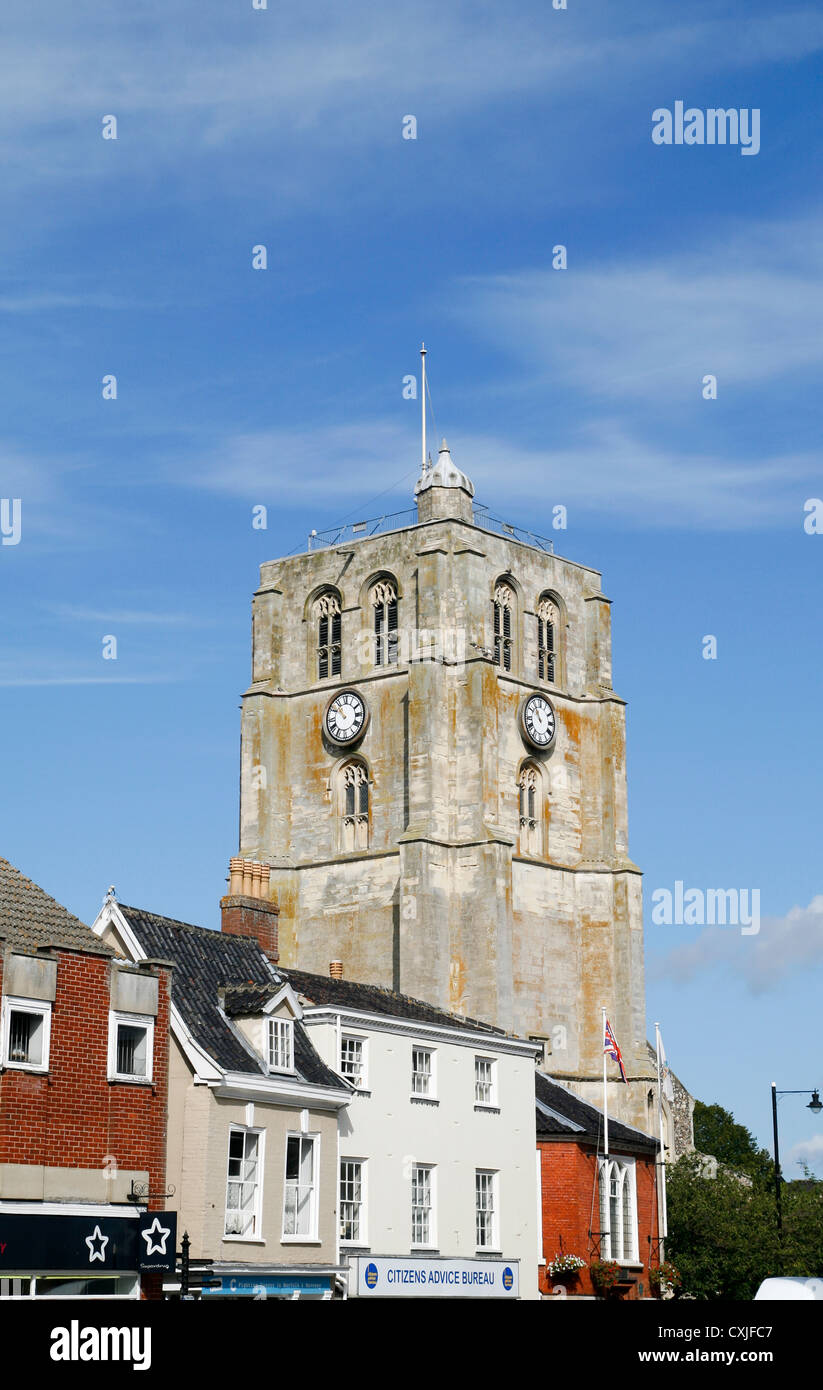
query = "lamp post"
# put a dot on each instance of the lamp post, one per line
(815, 1106)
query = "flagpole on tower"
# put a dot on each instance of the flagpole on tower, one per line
(665, 1220)
(423, 402)
(605, 1092)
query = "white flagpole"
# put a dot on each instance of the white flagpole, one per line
(605, 1093)
(423, 402)
(665, 1219)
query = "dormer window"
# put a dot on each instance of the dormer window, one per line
(280, 1044)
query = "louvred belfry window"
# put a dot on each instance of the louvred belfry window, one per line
(503, 610)
(384, 604)
(327, 617)
(547, 630)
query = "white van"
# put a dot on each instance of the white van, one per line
(803, 1289)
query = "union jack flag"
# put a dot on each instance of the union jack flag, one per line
(611, 1049)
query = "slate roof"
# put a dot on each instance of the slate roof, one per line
(561, 1115)
(205, 962)
(30, 917)
(372, 999)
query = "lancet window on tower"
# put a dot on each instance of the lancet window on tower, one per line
(531, 819)
(354, 806)
(328, 620)
(503, 611)
(384, 604)
(548, 627)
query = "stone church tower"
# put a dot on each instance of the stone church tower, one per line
(433, 765)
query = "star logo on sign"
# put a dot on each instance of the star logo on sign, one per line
(97, 1252)
(157, 1247)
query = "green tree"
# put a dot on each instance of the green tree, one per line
(722, 1231)
(717, 1132)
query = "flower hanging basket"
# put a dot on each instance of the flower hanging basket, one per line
(605, 1275)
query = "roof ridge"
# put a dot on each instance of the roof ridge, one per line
(170, 921)
(397, 994)
(30, 883)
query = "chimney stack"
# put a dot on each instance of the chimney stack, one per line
(336, 970)
(246, 909)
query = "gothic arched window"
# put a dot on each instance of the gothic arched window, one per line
(383, 598)
(548, 631)
(503, 616)
(531, 811)
(327, 617)
(353, 806)
(618, 1211)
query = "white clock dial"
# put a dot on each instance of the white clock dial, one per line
(538, 721)
(346, 717)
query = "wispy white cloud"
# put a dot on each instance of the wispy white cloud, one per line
(87, 680)
(746, 308)
(229, 79)
(606, 470)
(124, 616)
(807, 1151)
(783, 946)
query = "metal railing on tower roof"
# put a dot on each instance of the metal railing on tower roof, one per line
(399, 521)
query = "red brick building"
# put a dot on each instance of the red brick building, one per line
(84, 1038)
(593, 1206)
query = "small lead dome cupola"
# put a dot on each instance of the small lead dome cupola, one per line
(445, 473)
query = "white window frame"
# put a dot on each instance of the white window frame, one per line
(18, 1004)
(285, 1027)
(491, 1103)
(116, 1019)
(308, 1237)
(431, 1243)
(494, 1187)
(625, 1172)
(431, 1092)
(363, 1235)
(362, 1083)
(255, 1234)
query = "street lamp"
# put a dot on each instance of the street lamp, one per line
(815, 1106)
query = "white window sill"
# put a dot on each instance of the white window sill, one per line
(300, 1240)
(243, 1240)
(487, 1105)
(131, 1080)
(424, 1100)
(425, 1249)
(26, 1066)
(492, 1251)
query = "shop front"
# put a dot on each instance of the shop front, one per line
(285, 1282)
(75, 1251)
(382, 1276)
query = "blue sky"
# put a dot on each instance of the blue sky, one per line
(238, 127)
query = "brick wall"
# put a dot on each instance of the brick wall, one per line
(73, 1116)
(570, 1208)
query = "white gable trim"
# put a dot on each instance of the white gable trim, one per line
(206, 1071)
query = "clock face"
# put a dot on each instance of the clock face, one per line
(538, 721)
(346, 717)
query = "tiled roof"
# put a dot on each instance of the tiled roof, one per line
(30, 918)
(372, 999)
(560, 1114)
(205, 962)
